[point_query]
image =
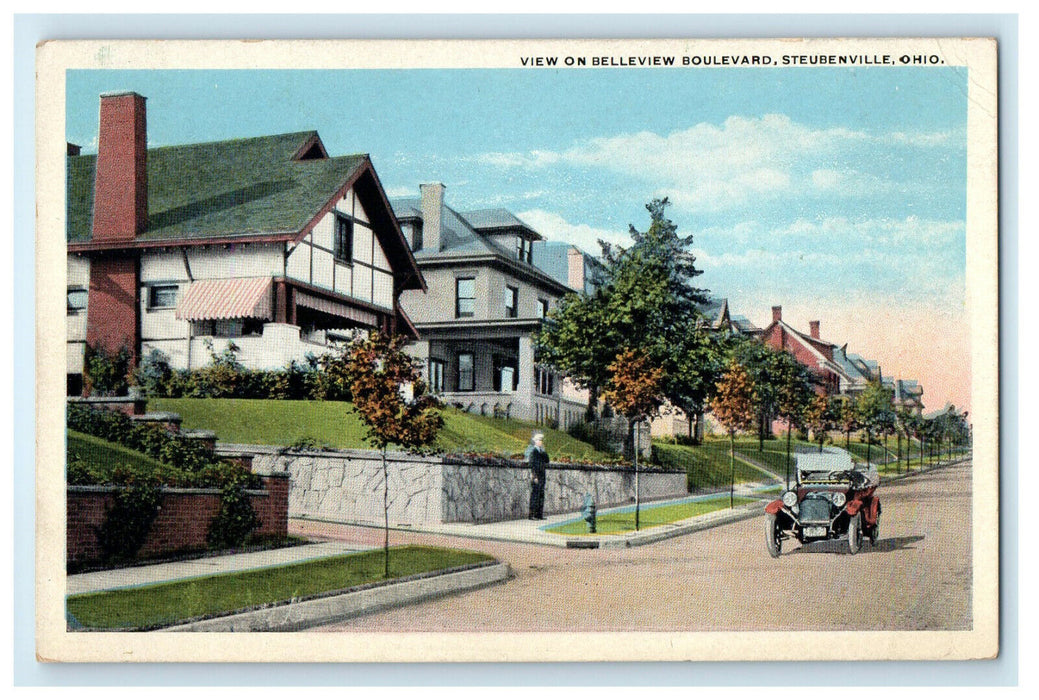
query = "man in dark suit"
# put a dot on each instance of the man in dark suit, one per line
(537, 458)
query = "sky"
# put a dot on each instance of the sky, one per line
(836, 193)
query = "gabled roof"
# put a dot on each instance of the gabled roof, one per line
(268, 187)
(239, 187)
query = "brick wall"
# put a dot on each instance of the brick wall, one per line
(182, 522)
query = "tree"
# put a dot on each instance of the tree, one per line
(793, 396)
(845, 410)
(646, 301)
(874, 411)
(391, 398)
(634, 390)
(819, 418)
(733, 406)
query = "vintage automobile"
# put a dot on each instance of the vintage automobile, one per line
(833, 498)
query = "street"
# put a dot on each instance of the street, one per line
(918, 577)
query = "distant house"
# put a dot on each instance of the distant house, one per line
(810, 350)
(486, 298)
(267, 242)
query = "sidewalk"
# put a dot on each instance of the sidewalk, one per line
(527, 531)
(134, 576)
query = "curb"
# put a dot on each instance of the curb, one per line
(925, 470)
(297, 616)
(665, 532)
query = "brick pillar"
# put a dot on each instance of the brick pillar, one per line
(112, 304)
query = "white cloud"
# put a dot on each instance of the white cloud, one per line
(555, 228)
(401, 191)
(713, 167)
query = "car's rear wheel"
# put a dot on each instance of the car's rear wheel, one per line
(855, 533)
(772, 540)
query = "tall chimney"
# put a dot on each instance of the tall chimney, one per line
(432, 215)
(813, 327)
(777, 313)
(121, 177)
(575, 269)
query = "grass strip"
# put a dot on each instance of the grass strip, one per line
(164, 604)
(651, 516)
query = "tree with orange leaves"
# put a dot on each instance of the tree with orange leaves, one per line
(734, 407)
(634, 389)
(391, 398)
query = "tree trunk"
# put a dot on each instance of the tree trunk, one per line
(385, 516)
(636, 478)
(593, 404)
(898, 458)
(789, 427)
(732, 468)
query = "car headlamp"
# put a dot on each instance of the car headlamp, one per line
(790, 499)
(839, 498)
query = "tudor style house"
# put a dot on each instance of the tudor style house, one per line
(486, 299)
(267, 242)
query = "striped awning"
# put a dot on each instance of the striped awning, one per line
(336, 308)
(210, 300)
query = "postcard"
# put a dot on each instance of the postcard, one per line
(568, 350)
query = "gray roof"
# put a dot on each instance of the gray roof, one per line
(494, 219)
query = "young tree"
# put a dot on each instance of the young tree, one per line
(819, 418)
(391, 398)
(793, 398)
(634, 390)
(733, 406)
(847, 414)
(874, 412)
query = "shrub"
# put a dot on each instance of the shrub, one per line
(236, 519)
(128, 521)
(106, 373)
(154, 374)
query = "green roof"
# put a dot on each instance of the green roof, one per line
(242, 187)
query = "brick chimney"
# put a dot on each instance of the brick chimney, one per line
(575, 269)
(777, 313)
(121, 178)
(432, 215)
(813, 328)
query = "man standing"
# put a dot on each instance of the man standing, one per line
(537, 458)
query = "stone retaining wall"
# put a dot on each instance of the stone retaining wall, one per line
(347, 485)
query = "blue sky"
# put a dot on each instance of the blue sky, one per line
(837, 193)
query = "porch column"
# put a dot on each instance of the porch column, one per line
(525, 385)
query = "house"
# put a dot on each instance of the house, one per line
(810, 350)
(486, 299)
(268, 242)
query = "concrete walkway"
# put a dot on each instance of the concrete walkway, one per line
(134, 576)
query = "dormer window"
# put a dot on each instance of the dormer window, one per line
(523, 249)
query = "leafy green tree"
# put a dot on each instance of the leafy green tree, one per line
(733, 405)
(646, 301)
(634, 390)
(794, 395)
(874, 411)
(391, 398)
(844, 408)
(819, 417)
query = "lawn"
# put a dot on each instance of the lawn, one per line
(166, 603)
(103, 457)
(335, 424)
(706, 465)
(649, 516)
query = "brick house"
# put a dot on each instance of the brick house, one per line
(267, 242)
(486, 300)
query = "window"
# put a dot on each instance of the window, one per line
(162, 296)
(506, 374)
(465, 297)
(466, 373)
(436, 375)
(416, 236)
(544, 381)
(542, 308)
(344, 240)
(77, 300)
(523, 249)
(511, 301)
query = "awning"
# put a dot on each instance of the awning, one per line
(210, 300)
(336, 308)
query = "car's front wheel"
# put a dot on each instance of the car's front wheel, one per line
(874, 532)
(855, 533)
(772, 540)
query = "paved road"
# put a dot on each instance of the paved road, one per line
(916, 578)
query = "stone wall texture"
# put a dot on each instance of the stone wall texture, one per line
(347, 486)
